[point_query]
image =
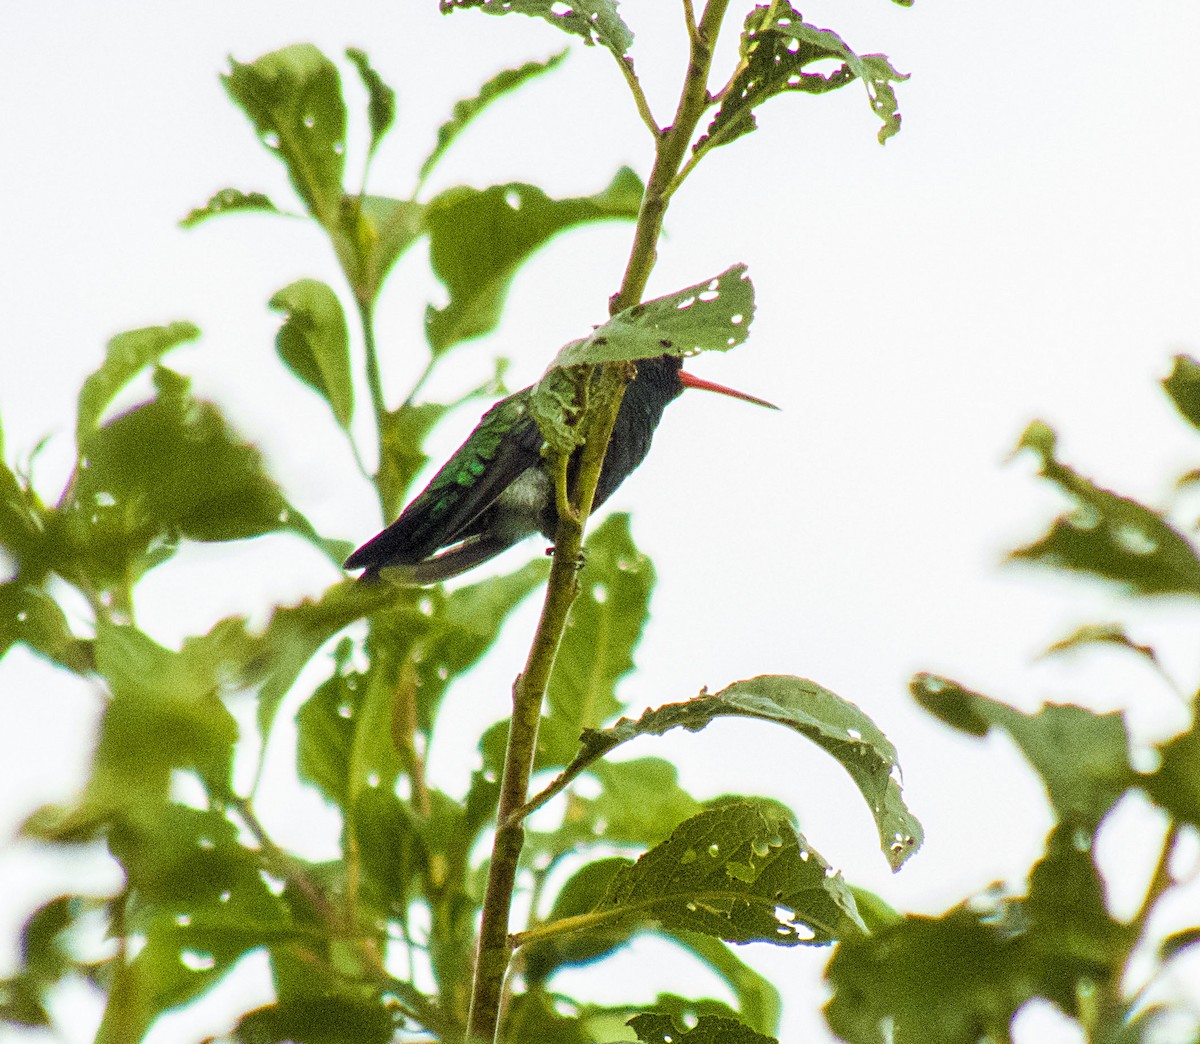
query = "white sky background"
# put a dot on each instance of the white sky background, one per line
(1028, 246)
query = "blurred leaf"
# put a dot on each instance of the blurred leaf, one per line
(957, 978)
(1183, 385)
(29, 615)
(640, 803)
(876, 913)
(373, 232)
(1102, 634)
(45, 960)
(776, 47)
(711, 316)
(1107, 535)
(603, 629)
(836, 725)
(580, 895)
(165, 714)
(1178, 941)
(710, 1029)
(24, 520)
(595, 21)
(336, 1019)
(168, 469)
(294, 99)
(381, 108)
(392, 852)
(463, 627)
(1175, 784)
(1082, 757)
(759, 1003)
(127, 355)
(736, 873)
(478, 240)
(315, 344)
(228, 201)
(467, 109)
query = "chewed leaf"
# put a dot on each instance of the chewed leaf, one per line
(738, 872)
(836, 725)
(1107, 535)
(478, 240)
(1082, 757)
(596, 21)
(711, 316)
(776, 49)
(467, 109)
(227, 201)
(294, 99)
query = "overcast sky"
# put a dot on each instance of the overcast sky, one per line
(1028, 246)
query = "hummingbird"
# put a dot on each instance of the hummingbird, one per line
(496, 489)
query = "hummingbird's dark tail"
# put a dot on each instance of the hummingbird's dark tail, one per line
(437, 568)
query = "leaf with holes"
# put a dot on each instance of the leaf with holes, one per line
(711, 316)
(478, 240)
(777, 46)
(294, 99)
(381, 104)
(1082, 757)
(739, 872)
(314, 343)
(595, 21)
(656, 1028)
(1108, 536)
(836, 725)
(230, 201)
(466, 110)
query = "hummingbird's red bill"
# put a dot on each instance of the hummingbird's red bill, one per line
(689, 380)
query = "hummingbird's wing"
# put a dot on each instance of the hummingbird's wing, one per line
(505, 444)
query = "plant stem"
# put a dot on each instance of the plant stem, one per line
(366, 318)
(495, 944)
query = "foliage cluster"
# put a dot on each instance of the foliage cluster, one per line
(385, 942)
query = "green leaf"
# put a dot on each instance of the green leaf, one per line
(478, 240)
(836, 725)
(1175, 784)
(1183, 385)
(1082, 757)
(165, 714)
(962, 976)
(372, 233)
(580, 895)
(653, 1028)
(166, 470)
(776, 47)
(381, 108)
(315, 344)
(45, 960)
(603, 629)
(466, 110)
(711, 316)
(1178, 941)
(227, 201)
(126, 356)
(594, 21)
(1102, 634)
(330, 1019)
(739, 872)
(1108, 535)
(294, 99)
(30, 616)
(759, 1003)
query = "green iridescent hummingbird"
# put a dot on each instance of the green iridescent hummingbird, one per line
(496, 489)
